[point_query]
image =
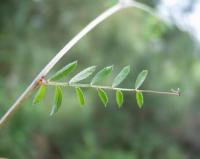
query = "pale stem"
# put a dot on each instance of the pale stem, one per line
(65, 84)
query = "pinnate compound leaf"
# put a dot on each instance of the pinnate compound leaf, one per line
(64, 71)
(119, 98)
(83, 74)
(140, 99)
(103, 96)
(121, 76)
(80, 96)
(102, 74)
(57, 100)
(140, 78)
(39, 95)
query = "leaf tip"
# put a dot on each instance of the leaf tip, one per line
(111, 67)
(146, 71)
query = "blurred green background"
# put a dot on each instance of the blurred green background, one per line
(168, 127)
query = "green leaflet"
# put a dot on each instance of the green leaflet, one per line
(102, 74)
(64, 71)
(39, 95)
(57, 100)
(140, 78)
(140, 99)
(83, 74)
(80, 96)
(121, 76)
(119, 98)
(103, 96)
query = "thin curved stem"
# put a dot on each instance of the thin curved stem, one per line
(65, 84)
(65, 50)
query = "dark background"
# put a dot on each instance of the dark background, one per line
(168, 127)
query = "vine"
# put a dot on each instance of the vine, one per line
(39, 80)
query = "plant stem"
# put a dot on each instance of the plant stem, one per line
(114, 9)
(64, 84)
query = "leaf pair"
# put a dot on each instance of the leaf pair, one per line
(139, 81)
(57, 98)
(118, 79)
(101, 93)
(100, 76)
(104, 97)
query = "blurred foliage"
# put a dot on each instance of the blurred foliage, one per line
(32, 31)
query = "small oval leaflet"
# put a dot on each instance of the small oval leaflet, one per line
(64, 71)
(57, 100)
(39, 95)
(102, 74)
(80, 96)
(140, 78)
(119, 98)
(140, 99)
(103, 96)
(83, 74)
(121, 76)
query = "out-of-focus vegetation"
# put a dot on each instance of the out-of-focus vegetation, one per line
(32, 31)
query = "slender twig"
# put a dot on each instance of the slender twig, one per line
(65, 49)
(65, 84)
